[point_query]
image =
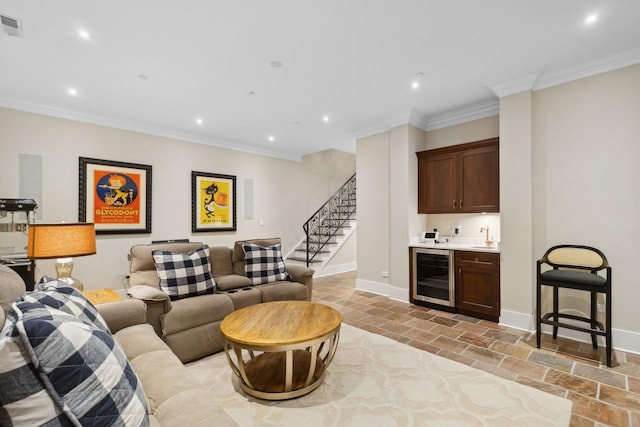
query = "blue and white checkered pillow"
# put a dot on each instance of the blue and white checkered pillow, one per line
(85, 373)
(184, 275)
(73, 372)
(264, 264)
(24, 400)
(61, 295)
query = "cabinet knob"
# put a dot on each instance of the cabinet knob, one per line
(453, 204)
(475, 260)
(460, 204)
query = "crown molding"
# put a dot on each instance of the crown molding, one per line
(546, 79)
(140, 128)
(601, 65)
(400, 120)
(414, 117)
(518, 85)
(373, 130)
(463, 115)
(418, 119)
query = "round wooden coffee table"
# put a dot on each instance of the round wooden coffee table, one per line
(281, 350)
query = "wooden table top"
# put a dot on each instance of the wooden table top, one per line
(99, 296)
(280, 323)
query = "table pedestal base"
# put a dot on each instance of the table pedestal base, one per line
(280, 375)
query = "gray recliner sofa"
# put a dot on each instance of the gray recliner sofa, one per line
(174, 396)
(191, 326)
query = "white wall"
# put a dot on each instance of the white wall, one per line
(387, 209)
(586, 175)
(372, 168)
(474, 130)
(286, 193)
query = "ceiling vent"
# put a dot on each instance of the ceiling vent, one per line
(11, 26)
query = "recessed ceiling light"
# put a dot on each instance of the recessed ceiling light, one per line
(591, 19)
(325, 119)
(275, 64)
(199, 121)
(417, 80)
(84, 34)
(72, 91)
(272, 138)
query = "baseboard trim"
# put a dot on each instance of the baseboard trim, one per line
(373, 287)
(336, 269)
(384, 289)
(627, 341)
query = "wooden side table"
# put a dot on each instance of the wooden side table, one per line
(100, 296)
(281, 350)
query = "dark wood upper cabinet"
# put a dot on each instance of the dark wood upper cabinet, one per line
(460, 178)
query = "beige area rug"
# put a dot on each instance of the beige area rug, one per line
(375, 381)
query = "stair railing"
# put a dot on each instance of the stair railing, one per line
(330, 218)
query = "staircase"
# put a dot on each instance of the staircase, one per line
(328, 227)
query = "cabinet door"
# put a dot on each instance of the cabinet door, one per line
(478, 284)
(479, 180)
(437, 184)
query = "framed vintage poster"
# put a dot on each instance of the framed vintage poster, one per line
(115, 196)
(213, 202)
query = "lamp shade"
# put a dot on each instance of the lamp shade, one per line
(61, 240)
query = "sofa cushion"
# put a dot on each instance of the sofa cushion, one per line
(184, 275)
(232, 281)
(283, 291)
(190, 312)
(221, 263)
(64, 297)
(86, 374)
(264, 264)
(12, 287)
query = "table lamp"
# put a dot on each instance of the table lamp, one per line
(62, 241)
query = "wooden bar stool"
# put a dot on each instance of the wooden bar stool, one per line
(575, 267)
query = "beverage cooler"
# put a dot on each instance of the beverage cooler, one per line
(432, 280)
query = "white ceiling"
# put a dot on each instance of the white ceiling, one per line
(352, 60)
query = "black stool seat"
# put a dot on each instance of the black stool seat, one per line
(575, 267)
(567, 278)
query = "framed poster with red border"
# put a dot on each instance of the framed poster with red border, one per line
(213, 202)
(115, 196)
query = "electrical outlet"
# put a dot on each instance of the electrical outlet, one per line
(456, 229)
(384, 273)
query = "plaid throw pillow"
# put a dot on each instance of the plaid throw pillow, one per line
(24, 400)
(61, 295)
(184, 275)
(264, 264)
(83, 370)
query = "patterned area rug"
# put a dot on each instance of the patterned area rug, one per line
(375, 381)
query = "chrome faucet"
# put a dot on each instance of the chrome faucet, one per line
(486, 240)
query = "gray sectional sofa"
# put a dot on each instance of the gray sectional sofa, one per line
(191, 326)
(171, 396)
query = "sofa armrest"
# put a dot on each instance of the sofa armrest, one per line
(302, 274)
(122, 314)
(157, 302)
